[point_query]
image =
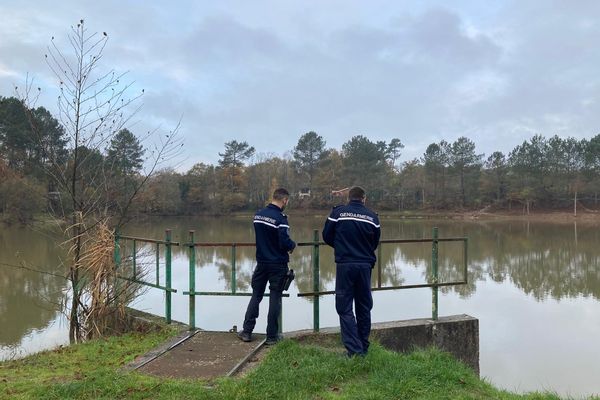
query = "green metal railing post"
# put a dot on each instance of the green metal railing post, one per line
(168, 275)
(117, 256)
(233, 270)
(379, 266)
(315, 260)
(157, 264)
(434, 271)
(466, 258)
(192, 283)
(117, 251)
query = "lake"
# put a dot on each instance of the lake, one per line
(534, 286)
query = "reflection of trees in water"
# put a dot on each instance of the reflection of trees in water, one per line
(542, 259)
(301, 263)
(546, 260)
(222, 260)
(230, 229)
(391, 269)
(28, 300)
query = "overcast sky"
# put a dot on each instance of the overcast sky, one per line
(269, 71)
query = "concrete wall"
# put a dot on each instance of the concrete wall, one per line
(456, 334)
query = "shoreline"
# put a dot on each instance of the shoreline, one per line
(504, 215)
(539, 216)
(553, 216)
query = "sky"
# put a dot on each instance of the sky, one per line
(267, 72)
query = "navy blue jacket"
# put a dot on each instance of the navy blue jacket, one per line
(272, 236)
(353, 231)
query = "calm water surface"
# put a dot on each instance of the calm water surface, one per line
(533, 286)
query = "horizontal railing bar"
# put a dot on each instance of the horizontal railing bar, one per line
(221, 244)
(148, 284)
(139, 239)
(383, 241)
(226, 294)
(252, 244)
(458, 239)
(422, 285)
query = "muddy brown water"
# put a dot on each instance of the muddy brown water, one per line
(535, 287)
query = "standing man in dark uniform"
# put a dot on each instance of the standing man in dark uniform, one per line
(273, 246)
(353, 231)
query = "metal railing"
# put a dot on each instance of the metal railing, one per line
(167, 243)
(433, 283)
(191, 244)
(192, 293)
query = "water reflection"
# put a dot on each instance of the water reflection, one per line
(532, 285)
(537, 258)
(29, 301)
(545, 260)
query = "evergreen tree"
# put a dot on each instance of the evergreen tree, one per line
(125, 153)
(232, 162)
(528, 165)
(363, 161)
(308, 153)
(393, 151)
(464, 160)
(496, 170)
(436, 160)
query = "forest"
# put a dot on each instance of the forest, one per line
(542, 173)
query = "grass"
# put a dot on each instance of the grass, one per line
(290, 371)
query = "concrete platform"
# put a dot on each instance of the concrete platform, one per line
(205, 355)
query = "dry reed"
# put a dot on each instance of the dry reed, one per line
(104, 295)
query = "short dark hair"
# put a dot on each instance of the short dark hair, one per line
(280, 194)
(356, 193)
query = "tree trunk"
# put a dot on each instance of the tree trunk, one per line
(73, 315)
(575, 204)
(74, 326)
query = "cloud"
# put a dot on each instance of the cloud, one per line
(7, 73)
(268, 72)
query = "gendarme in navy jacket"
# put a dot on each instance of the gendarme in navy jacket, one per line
(353, 231)
(272, 236)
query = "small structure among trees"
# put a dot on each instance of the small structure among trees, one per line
(304, 193)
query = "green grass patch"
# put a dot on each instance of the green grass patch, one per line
(294, 371)
(290, 371)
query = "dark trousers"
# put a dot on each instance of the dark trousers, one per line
(353, 284)
(263, 273)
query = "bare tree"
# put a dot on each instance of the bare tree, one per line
(93, 106)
